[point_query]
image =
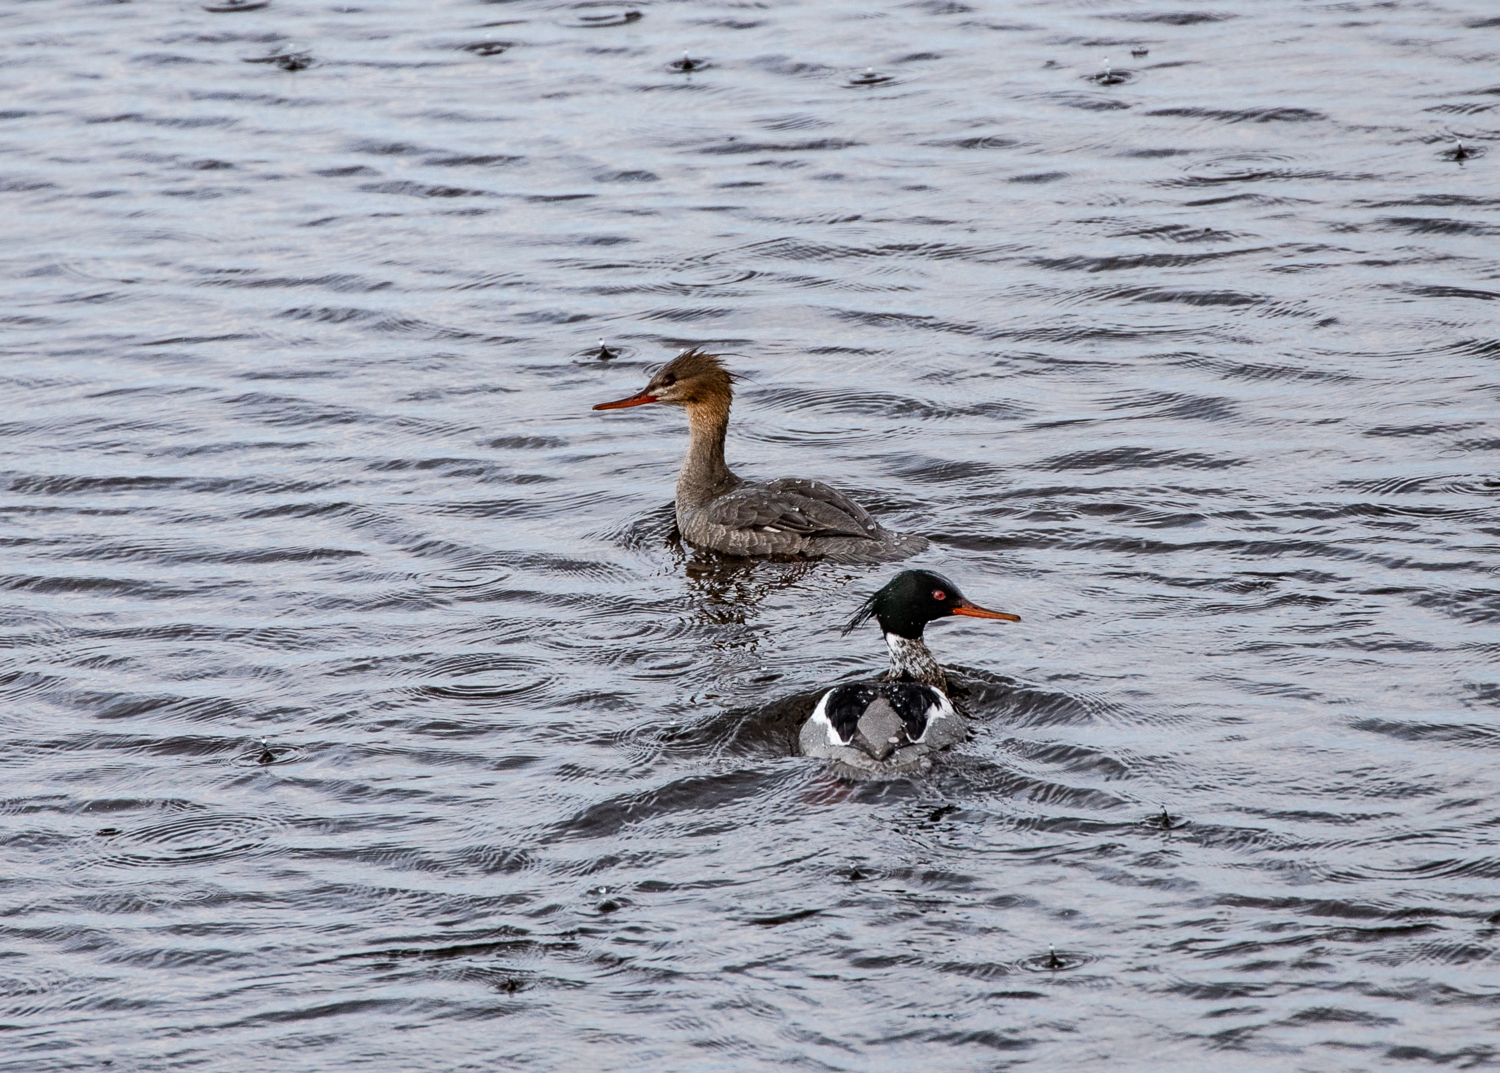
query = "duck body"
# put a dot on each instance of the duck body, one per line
(881, 729)
(893, 725)
(791, 517)
(722, 512)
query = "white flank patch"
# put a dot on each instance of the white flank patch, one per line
(820, 715)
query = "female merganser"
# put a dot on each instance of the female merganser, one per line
(719, 511)
(892, 725)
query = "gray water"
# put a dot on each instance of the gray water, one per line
(361, 711)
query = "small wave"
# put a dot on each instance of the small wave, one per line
(1172, 18)
(1086, 102)
(694, 793)
(814, 145)
(1127, 457)
(1248, 115)
(589, 16)
(474, 160)
(1466, 735)
(794, 122)
(679, 315)
(1133, 262)
(29, 992)
(1436, 225)
(412, 189)
(992, 141)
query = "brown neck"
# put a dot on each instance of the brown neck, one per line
(704, 473)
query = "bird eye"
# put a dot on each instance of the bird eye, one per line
(939, 594)
(668, 380)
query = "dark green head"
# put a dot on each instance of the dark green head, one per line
(913, 598)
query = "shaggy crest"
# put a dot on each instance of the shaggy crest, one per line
(700, 373)
(695, 362)
(861, 616)
(904, 605)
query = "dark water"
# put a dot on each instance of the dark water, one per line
(360, 713)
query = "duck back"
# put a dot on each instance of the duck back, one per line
(881, 729)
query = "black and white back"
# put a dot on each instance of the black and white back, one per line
(881, 729)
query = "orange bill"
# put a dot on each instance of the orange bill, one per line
(634, 400)
(982, 612)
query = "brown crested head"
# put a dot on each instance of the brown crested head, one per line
(690, 378)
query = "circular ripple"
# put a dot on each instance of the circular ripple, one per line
(192, 839)
(459, 579)
(492, 690)
(263, 755)
(1163, 821)
(286, 61)
(723, 277)
(488, 48)
(226, 6)
(872, 78)
(606, 351)
(1237, 168)
(1055, 961)
(475, 677)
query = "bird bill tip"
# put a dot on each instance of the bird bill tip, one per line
(620, 404)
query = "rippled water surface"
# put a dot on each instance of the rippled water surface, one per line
(362, 712)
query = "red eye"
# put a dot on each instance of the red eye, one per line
(939, 594)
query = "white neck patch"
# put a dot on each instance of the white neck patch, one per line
(910, 658)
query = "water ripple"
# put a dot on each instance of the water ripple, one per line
(358, 684)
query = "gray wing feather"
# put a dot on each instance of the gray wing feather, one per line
(804, 508)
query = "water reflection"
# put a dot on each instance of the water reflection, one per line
(726, 591)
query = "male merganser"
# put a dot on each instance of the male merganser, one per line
(892, 725)
(719, 511)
